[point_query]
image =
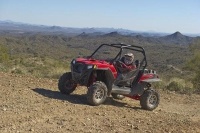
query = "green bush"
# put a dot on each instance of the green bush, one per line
(196, 82)
(194, 65)
(17, 71)
(175, 86)
(180, 85)
(4, 56)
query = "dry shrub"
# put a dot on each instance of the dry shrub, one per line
(180, 85)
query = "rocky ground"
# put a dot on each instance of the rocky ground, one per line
(29, 104)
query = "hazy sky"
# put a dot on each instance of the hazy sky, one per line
(141, 15)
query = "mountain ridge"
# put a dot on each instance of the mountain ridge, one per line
(177, 38)
(25, 27)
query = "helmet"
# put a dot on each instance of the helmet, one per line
(128, 58)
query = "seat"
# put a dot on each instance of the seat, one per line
(125, 78)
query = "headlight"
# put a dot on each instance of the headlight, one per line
(74, 61)
(90, 66)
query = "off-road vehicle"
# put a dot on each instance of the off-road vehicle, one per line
(102, 75)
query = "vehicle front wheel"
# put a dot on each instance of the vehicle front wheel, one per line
(150, 99)
(65, 84)
(97, 93)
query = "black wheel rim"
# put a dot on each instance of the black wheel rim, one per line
(69, 85)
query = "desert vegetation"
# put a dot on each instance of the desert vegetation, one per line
(49, 56)
(194, 65)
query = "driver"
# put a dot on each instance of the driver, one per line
(125, 66)
(127, 59)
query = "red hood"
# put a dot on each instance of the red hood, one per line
(100, 64)
(92, 61)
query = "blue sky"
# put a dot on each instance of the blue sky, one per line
(142, 15)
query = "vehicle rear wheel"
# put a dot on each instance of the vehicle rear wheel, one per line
(65, 84)
(117, 96)
(97, 93)
(149, 100)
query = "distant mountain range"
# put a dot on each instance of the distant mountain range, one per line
(17, 27)
(10, 27)
(24, 27)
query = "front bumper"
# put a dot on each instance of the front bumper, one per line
(80, 73)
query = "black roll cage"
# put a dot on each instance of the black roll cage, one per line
(143, 63)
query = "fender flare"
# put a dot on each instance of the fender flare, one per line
(108, 79)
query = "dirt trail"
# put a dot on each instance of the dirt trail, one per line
(29, 104)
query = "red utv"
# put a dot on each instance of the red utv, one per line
(101, 73)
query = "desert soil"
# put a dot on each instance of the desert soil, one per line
(29, 104)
